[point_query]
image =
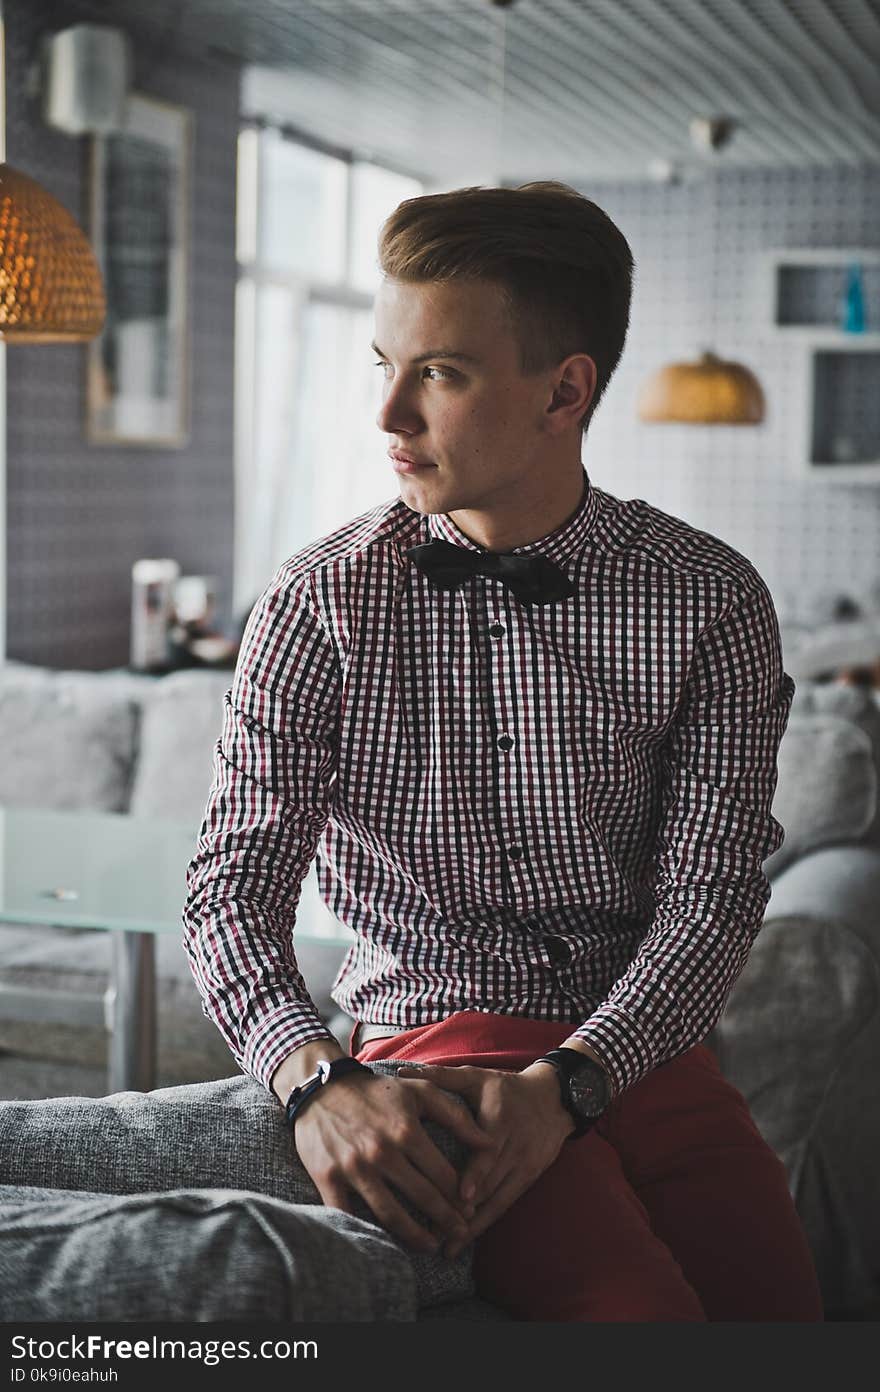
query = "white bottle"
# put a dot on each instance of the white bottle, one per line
(152, 610)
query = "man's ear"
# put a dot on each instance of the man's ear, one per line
(573, 390)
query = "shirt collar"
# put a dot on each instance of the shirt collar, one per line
(557, 545)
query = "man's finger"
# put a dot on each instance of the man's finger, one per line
(482, 1175)
(450, 1113)
(391, 1215)
(429, 1160)
(336, 1196)
(427, 1198)
(504, 1197)
(506, 1194)
(463, 1079)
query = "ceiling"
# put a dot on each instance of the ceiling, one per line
(568, 89)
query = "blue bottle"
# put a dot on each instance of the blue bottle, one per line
(854, 302)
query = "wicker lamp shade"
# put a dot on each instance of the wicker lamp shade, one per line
(50, 284)
(711, 391)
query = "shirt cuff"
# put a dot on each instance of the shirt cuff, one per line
(277, 1036)
(620, 1043)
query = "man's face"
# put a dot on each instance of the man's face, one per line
(454, 399)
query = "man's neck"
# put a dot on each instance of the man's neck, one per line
(531, 522)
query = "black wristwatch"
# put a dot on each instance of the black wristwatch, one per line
(328, 1070)
(584, 1085)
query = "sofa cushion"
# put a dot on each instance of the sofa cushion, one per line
(837, 644)
(827, 788)
(194, 1254)
(182, 717)
(228, 1134)
(861, 706)
(66, 741)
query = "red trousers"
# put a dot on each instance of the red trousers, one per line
(673, 1208)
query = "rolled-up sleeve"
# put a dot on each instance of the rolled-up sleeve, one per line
(274, 771)
(716, 831)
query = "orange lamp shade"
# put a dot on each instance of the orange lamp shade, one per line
(50, 285)
(710, 391)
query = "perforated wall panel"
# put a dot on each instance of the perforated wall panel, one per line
(79, 515)
(698, 250)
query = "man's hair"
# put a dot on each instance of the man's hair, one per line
(564, 268)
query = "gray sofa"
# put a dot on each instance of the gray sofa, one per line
(190, 1203)
(799, 1037)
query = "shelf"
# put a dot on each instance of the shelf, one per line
(839, 378)
(805, 287)
(843, 408)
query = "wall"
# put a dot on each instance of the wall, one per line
(698, 255)
(79, 515)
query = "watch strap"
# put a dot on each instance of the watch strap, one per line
(328, 1071)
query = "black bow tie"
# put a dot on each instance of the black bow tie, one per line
(530, 579)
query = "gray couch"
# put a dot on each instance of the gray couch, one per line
(190, 1203)
(799, 1037)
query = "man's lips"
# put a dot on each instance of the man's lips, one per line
(407, 463)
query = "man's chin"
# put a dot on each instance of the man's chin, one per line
(419, 491)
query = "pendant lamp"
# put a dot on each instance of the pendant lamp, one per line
(50, 285)
(710, 391)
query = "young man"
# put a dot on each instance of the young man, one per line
(530, 731)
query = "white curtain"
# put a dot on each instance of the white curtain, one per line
(315, 456)
(309, 455)
(338, 465)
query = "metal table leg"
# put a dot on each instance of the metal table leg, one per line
(131, 1013)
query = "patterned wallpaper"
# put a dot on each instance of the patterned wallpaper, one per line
(699, 283)
(79, 515)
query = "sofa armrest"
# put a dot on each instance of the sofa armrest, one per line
(228, 1134)
(839, 884)
(809, 991)
(800, 1038)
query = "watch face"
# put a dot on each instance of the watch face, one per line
(589, 1090)
(323, 1069)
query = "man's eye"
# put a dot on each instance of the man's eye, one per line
(437, 374)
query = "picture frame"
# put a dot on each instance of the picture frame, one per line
(138, 377)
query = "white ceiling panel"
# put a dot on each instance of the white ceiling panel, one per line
(549, 88)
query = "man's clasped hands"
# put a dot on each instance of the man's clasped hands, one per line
(365, 1134)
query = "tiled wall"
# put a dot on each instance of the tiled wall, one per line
(698, 284)
(79, 515)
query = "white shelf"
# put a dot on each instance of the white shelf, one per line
(836, 341)
(808, 258)
(823, 403)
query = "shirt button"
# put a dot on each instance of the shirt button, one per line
(557, 950)
(514, 852)
(505, 742)
(497, 630)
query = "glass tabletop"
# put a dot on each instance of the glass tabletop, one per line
(113, 871)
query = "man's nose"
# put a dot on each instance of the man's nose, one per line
(398, 411)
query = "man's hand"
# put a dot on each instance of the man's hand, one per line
(365, 1134)
(524, 1116)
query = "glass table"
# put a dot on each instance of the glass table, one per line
(127, 876)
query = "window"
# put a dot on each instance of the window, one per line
(308, 454)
